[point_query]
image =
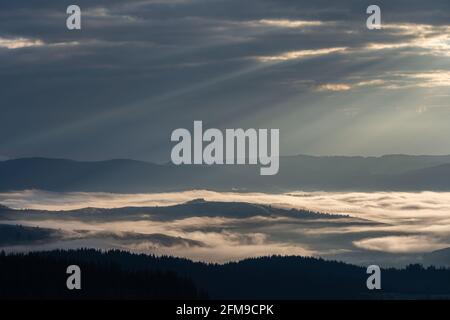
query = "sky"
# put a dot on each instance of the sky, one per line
(139, 69)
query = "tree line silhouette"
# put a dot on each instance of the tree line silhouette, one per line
(43, 276)
(122, 275)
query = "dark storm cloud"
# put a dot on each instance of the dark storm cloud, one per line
(139, 69)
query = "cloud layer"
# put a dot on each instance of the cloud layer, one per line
(118, 87)
(384, 227)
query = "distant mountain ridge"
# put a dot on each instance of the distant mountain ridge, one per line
(334, 173)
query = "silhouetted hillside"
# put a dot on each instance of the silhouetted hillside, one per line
(197, 208)
(17, 235)
(119, 274)
(395, 172)
(433, 178)
(43, 276)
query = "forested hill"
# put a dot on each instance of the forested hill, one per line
(118, 274)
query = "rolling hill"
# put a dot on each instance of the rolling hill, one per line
(393, 172)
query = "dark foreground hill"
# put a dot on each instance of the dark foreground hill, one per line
(393, 172)
(118, 274)
(43, 276)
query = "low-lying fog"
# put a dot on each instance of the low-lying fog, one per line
(402, 226)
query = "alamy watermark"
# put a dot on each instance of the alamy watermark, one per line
(227, 148)
(374, 280)
(374, 20)
(73, 21)
(74, 280)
